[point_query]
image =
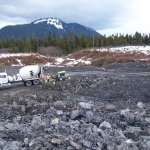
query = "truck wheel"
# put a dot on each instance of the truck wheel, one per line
(35, 82)
(28, 83)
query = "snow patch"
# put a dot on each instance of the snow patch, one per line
(71, 61)
(19, 61)
(130, 49)
(13, 55)
(59, 60)
(52, 21)
(74, 61)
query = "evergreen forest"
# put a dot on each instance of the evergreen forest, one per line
(73, 43)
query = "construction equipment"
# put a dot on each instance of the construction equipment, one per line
(29, 75)
(59, 75)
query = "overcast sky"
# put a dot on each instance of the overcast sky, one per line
(106, 16)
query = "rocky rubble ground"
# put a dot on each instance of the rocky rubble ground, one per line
(93, 111)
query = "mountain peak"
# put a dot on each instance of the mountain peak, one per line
(50, 21)
(44, 26)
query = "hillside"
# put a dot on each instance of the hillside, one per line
(86, 57)
(43, 26)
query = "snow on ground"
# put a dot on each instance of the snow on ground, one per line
(142, 49)
(6, 55)
(19, 61)
(49, 64)
(66, 61)
(73, 61)
(59, 60)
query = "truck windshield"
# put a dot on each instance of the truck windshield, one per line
(2, 76)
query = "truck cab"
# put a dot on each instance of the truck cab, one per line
(3, 79)
(61, 75)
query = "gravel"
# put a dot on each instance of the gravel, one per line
(100, 108)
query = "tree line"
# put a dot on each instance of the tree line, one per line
(73, 43)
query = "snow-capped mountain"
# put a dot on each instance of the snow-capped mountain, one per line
(51, 21)
(44, 26)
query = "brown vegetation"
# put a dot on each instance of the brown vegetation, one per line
(26, 60)
(5, 50)
(50, 51)
(97, 58)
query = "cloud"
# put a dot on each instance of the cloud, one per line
(134, 20)
(102, 15)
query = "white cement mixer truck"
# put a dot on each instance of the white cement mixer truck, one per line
(29, 75)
